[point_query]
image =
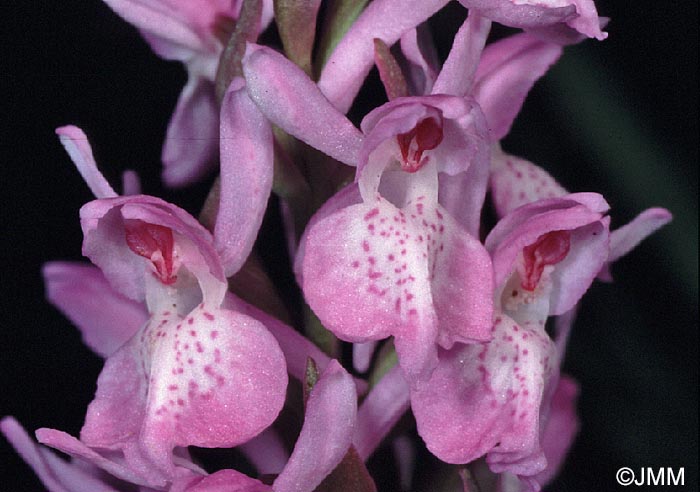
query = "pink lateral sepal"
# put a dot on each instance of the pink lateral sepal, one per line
(106, 319)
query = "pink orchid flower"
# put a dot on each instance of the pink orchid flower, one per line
(385, 249)
(193, 33)
(545, 255)
(196, 373)
(494, 398)
(325, 438)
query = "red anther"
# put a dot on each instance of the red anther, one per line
(155, 243)
(425, 136)
(549, 249)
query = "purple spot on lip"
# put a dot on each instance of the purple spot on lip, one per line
(372, 213)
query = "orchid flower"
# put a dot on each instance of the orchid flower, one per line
(193, 33)
(324, 439)
(386, 243)
(195, 373)
(545, 255)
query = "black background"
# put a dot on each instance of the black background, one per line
(634, 348)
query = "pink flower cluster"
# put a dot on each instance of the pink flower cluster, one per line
(399, 253)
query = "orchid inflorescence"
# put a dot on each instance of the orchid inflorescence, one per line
(413, 301)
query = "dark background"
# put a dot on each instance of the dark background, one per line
(618, 117)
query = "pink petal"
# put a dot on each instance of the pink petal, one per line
(192, 138)
(140, 475)
(507, 71)
(516, 182)
(627, 237)
(213, 379)
(79, 150)
(573, 276)
(463, 195)
(290, 100)
(326, 434)
(352, 58)
(458, 71)
(379, 412)
(105, 318)
(246, 177)
(56, 474)
(486, 398)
